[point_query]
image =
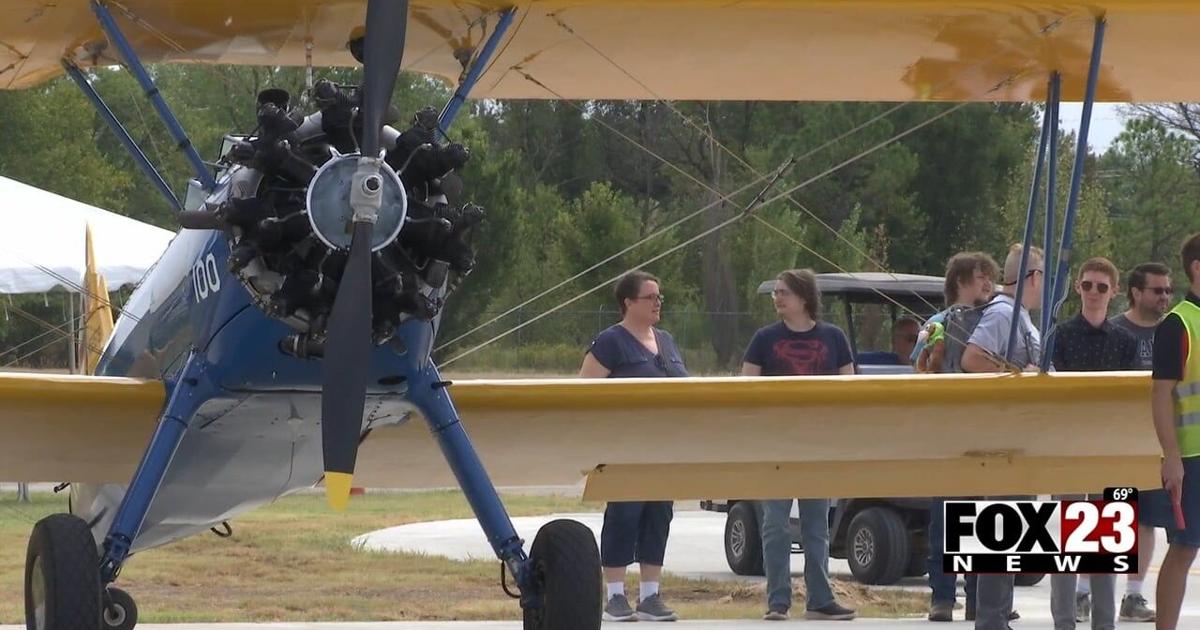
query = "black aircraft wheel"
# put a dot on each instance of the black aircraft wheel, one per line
(62, 576)
(120, 611)
(566, 571)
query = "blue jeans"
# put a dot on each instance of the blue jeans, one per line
(774, 518)
(635, 531)
(944, 586)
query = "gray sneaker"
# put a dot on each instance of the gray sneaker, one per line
(653, 609)
(1135, 608)
(1083, 607)
(618, 609)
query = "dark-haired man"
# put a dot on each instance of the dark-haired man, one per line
(1149, 290)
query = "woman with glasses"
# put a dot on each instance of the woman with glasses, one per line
(635, 531)
(799, 344)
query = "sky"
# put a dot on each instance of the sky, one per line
(1106, 125)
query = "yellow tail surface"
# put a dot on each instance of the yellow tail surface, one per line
(98, 317)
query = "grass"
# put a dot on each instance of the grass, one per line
(293, 561)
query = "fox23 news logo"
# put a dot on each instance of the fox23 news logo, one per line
(1043, 536)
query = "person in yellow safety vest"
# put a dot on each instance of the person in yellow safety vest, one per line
(1175, 401)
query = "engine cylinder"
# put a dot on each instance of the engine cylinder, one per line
(286, 213)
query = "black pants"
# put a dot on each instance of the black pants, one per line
(635, 531)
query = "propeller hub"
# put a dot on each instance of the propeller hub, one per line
(340, 194)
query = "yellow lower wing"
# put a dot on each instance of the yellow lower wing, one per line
(679, 438)
(793, 437)
(81, 428)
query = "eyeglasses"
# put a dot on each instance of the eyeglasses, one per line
(1160, 290)
(1028, 274)
(1086, 285)
(653, 298)
(781, 292)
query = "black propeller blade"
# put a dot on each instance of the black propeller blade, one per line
(387, 25)
(348, 339)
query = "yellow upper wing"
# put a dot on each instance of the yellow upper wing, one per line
(872, 50)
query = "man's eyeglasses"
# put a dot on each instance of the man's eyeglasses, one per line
(1028, 274)
(1086, 285)
(653, 298)
(1160, 290)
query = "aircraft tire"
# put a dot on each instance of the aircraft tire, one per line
(120, 611)
(566, 565)
(62, 576)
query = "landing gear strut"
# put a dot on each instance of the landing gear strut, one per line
(560, 579)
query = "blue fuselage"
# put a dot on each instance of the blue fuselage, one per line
(258, 436)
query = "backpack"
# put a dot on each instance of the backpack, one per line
(959, 323)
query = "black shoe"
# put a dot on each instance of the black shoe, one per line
(830, 612)
(970, 616)
(943, 611)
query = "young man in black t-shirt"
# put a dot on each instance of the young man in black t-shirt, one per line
(1089, 342)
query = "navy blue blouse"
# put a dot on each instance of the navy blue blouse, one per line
(625, 357)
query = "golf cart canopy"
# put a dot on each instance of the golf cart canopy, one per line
(867, 286)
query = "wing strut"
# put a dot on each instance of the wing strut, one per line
(1064, 246)
(109, 24)
(475, 70)
(118, 129)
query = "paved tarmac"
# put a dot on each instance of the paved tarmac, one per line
(857, 624)
(695, 550)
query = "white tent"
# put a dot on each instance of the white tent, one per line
(42, 241)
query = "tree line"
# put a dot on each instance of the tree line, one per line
(568, 184)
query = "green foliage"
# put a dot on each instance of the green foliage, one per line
(1092, 233)
(1153, 192)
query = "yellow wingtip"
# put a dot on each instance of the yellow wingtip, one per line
(337, 489)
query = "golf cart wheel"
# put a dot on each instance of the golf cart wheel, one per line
(1028, 579)
(120, 611)
(566, 571)
(743, 540)
(877, 546)
(62, 576)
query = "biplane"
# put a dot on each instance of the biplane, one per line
(284, 338)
